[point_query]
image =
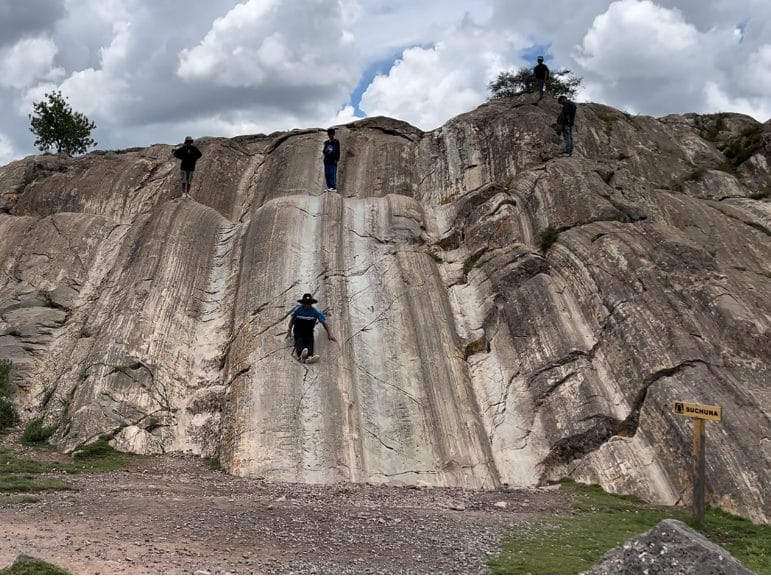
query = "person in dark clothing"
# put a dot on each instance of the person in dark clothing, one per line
(302, 323)
(331, 153)
(566, 120)
(541, 74)
(188, 154)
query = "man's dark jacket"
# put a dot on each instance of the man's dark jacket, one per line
(188, 154)
(540, 71)
(331, 151)
(568, 114)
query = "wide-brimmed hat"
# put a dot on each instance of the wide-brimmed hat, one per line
(307, 299)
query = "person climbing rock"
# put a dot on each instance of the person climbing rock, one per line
(566, 120)
(188, 154)
(331, 153)
(302, 322)
(541, 74)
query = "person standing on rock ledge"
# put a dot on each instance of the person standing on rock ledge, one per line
(303, 322)
(188, 154)
(331, 152)
(566, 119)
(541, 74)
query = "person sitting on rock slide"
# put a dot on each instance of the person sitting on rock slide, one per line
(303, 322)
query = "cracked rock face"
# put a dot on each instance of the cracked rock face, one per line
(470, 352)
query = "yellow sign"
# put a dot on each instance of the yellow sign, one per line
(713, 412)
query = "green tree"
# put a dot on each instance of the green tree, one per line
(57, 126)
(510, 84)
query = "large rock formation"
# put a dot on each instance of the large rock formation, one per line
(469, 352)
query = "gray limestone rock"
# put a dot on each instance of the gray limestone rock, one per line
(670, 547)
(469, 352)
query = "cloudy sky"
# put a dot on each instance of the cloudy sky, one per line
(153, 71)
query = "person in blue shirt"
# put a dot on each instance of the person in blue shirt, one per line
(302, 323)
(331, 152)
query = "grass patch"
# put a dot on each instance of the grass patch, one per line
(36, 432)
(97, 456)
(29, 483)
(33, 566)
(100, 456)
(609, 119)
(547, 237)
(602, 521)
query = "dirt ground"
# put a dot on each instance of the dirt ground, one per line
(173, 514)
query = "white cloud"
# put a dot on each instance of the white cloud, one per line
(7, 152)
(717, 100)
(29, 61)
(269, 42)
(757, 74)
(429, 85)
(638, 39)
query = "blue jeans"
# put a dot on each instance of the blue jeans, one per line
(567, 134)
(330, 174)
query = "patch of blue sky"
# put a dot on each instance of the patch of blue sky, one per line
(379, 67)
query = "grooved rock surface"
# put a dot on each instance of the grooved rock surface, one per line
(467, 355)
(670, 547)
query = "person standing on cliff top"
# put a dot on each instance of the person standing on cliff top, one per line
(188, 154)
(302, 322)
(566, 119)
(331, 152)
(541, 74)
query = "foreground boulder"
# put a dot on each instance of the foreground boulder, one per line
(670, 547)
(503, 316)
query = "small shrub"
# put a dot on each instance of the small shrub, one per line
(36, 432)
(435, 257)
(214, 463)
(8, 416)
(33, 566)
(740, 148)
(763, 193)
(547, 237)
(710, 127)
(469, 263)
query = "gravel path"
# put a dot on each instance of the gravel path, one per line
(174, 515)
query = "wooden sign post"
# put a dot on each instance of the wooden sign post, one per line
(700, 413)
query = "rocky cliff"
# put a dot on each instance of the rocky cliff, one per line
(504, 316)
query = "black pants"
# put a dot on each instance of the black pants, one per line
(303, 340)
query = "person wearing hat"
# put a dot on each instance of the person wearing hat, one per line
(541, 74)
(331, 152)
(303, 322)
(188, 154)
